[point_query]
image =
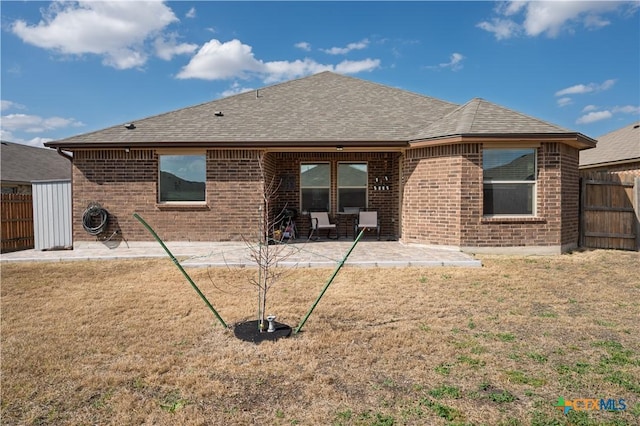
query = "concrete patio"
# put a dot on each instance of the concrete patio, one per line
(301, 253)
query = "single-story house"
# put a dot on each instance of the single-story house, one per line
(24, 164)
(478, 176)
(618, 152)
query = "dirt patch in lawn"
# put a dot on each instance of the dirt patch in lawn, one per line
(130, 342)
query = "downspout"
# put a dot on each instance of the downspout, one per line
(64, 154)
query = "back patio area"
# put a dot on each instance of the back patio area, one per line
(300, 253)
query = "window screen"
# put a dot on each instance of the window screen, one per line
(509, 177)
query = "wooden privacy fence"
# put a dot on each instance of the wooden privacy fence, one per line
(610, 211)
(17, 222)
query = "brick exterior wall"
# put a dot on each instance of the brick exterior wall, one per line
(442, 200)
(126, 183)
(378, 165)
(441, 195)
(570, 192)
(432, 193)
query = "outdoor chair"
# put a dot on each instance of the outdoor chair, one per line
(367, 220)
(319, 222)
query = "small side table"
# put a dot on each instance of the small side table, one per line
(350, 221)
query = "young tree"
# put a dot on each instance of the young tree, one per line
(268, 251)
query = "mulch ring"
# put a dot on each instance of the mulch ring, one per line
(249, 332)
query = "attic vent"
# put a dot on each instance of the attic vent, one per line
(636, 126)
(218, 114)
(130, 126)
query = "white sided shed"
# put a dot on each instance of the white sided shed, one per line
(52, 214)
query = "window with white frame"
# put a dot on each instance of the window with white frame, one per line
(182, 178)
(509, 177)
(315, 187)
(352, 185)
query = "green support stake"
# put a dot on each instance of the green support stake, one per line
(326, 286)
(175, 261)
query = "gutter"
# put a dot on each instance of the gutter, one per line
(609, 163)
(64, 154)
(577, 140)
(233, 145)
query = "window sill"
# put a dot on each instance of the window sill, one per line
(513, 219)
(182, 206)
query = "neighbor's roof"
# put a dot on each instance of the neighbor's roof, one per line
(319, 110)
(619, 146)
(23, 163)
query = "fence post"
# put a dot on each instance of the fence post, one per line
(636, 208)
(581, 216)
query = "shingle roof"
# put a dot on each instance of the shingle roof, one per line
(478, 117)
(23, 163)
(620, 145)
(321, 107)
(324, 108)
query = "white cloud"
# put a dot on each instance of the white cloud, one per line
(219, 61)
(593, 117)
(455, 63)
(595, 21)
(344, 50)
(562, 102)
(36, 142)
(354, 67)
(235, 89)
(5, 105)
(115, 30)
(607, 84)
(501, 28)
(6, 135)
(627, 109)
(11, 124)
(551, 18)
(287, 70)
(233, 59)
(35, 124)
(167, 48)
(510, 7)
(580, 89)
(303, 45)
(191, 13)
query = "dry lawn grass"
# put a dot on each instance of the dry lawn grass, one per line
(130, 342)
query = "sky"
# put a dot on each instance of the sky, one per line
(69, 68)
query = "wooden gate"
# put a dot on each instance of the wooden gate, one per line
(610, 211)
(17, 222)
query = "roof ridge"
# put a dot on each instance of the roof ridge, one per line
(442, 119)
(468, 115)
(24, 145)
